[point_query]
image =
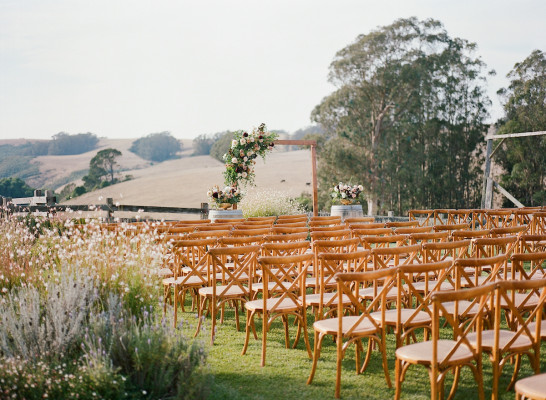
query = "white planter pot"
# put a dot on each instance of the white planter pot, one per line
(228, 214)
(352, 211)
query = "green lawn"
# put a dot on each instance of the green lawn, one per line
(287, 370)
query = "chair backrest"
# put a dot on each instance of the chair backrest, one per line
(209, 234)
(236, 241)
(423, 216)
(281, 249)
(371, 225)
(508, 231)
(230, 221)
(277, 230)
(526, 266)
(192, 256)
(302, 224)
(335, 227)
(478, 303)
(371, 232)
(359, 220)
(328, 219)
(251, 232)
(388, 257)
(192, 222)
(412, 229)
(372, 242)
(532, 243)
(469, 270)
(287, 277)
(498, 218)
(330, 264)
(451, 228)
(459, 216)
(292, 218)
(331, 235)
(470, 234)
(233, 267)
(527, 309)
(538, 223)
(429, 237)
(289, 237)
(402, 224)
(176, 230)
(262, 219)
(247, 225)
(489, 247)
(446, 251)
(213, 227)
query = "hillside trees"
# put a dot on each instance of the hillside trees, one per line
(221, 145)
(524, 159)
(407, 118)
(65, 144)
(102, 171)
(15, 187)
(156, 147)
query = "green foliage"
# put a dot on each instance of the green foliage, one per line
(15, 187)
(524, 159)
(156, 147)
(221, 145)
(407, 118)
(65, 144)
(102, 169)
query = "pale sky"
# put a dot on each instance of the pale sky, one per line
(124, 69)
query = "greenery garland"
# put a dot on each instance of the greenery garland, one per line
(241, 157)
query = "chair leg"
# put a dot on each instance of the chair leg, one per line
(213, 311)
(397, 378)
(456, 376)
(368, 355)
(265, 327)
(247, 332)
(383, 350)
(517, 365)
(200, 316)
(316, 355)
(236, 306)
(286, 336)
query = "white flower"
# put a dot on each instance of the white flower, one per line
(252, 139)
(250, 152)
(209, 193)
(233, 143)
(227, 189)
(343, 195)
(360, 187)
(215, 190)
(243, 141)
(234, 160)
(336, 189)
(245, 159)
(244, 174)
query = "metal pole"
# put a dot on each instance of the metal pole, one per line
(487, 194)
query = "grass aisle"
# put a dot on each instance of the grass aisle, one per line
(287, 370)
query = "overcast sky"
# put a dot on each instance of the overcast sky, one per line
(124, 69)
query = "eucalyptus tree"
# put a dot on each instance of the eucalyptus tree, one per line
(524, 159)
(407, 117)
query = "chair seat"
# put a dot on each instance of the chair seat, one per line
(533, 387)
(519, 300)
(259, 287)
(391, 316)
(422, 285)
(368, 293)
(488, 339)
(532, 327)
(233, 291)
(464, 307)
(285, 305)
(329, 326)
(164, 272)
(421, 353)
(314, 299)
(191, 281)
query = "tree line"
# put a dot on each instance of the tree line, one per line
(407, 120)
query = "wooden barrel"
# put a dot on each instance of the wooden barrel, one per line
(352, 211)
(215, 214)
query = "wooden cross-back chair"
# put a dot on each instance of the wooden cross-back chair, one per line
(235, 241)
(372, 242)
(330, 235)
(327, 228)
(446, 251)
(386, 257)
(402, 224)
(451, 227)
(213, 227)
(414, 286)
(489, 247)
(416, 238)
(532, 243)
(209, 234)
(328, 265)
(292, 218)
(249, 225)
(508, 231)
(523, 216)
(175, 230)
(192, 222)
(441, 356)
(459, 216)
(288, 237)
(423, 216)
(359, 220)
(231, 273)
(270, 219)
(285, 298)
(279, 230)
(374, 232)
(251, 232)
(503, 345)
(230, 221)
(413, 229)
(531, 388)
(359, 324)
(538, 223)
(190, 273)
(302, 224)
(371, 225)
(470, 234)
(473, 272)
(499, 218)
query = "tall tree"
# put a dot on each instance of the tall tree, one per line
(103, 165)
(524, 159)
(407, 117)
(156, 146)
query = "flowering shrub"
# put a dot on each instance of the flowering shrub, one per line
(264, 203)
(245, 148)
(346, 192)
(231, 195)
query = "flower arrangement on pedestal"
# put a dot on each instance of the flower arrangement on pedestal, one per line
(346, 194)
(225, 198)
(241, 157)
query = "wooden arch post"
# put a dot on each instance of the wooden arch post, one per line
(313, 144)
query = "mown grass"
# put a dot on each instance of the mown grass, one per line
(286, 371)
